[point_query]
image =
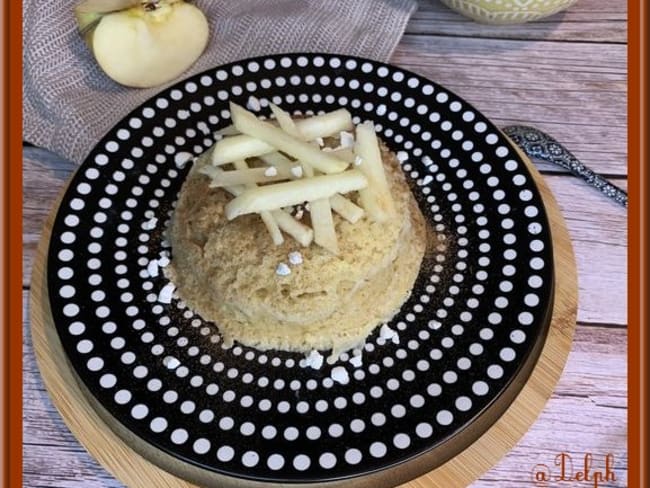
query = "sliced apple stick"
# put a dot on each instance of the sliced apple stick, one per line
(267, 218)
(235, 191)
(272, 226)
(323, 224)
(288, 125)
(345, 154)
(278, 160)
(376, 198)
(248, 176)
(209, 170)
(321, 218)
(301, 150)
(221, 178)
(232, 148)
(340, 204)
(346, 209)
(288, 224)
(286, 122)
(279, 195)
(241, 146)
(324, 232)
(325, 125)
(228, 130)
(299, 231)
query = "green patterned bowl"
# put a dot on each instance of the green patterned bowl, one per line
(507, 11)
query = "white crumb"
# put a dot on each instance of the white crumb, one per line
(253, 104)
(299, 213)
(297, 171)
(164, 254)
(282, 270)
(388, 334)
(347, 139)
(434, 324)
(427, 161)
(152, 268)
(295, 257)
(167, 292)
(307, 207)
(427, 179)
(270, 171)
(356, 361)
(358, 160)
(163, 262)
(402, 156)
(340, 375)
(313, 360)
(327, 149)
(171, 362)
(320, 142)
(150, 224)
(165, 243)
(181, 158)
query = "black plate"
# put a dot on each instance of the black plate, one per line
(479, 308)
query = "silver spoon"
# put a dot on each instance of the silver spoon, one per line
(538, 144)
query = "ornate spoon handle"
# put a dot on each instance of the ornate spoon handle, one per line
(540, 145)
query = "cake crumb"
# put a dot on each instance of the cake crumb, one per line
(427, 161)
(297, 171)
(270, 171)
(347, 139)
(320, 141)
(358, 160)
(295, 258)
(283, 269)
(427, 179)
(163, 262)
(340, 375)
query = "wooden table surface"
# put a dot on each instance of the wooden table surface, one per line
(565, 75)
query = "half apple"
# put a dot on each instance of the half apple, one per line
(143, 43)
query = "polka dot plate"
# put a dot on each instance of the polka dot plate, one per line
(467, 336)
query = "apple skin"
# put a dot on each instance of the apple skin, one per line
(143, 48)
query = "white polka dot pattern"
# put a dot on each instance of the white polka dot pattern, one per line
(478, 307)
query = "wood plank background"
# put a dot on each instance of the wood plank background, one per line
(567, 76)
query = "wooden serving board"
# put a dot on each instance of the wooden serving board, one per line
(137, 464)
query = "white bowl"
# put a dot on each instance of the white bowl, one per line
(507, 11)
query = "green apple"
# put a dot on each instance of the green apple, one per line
(143, 43)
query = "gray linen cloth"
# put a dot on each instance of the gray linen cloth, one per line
(69, 103)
